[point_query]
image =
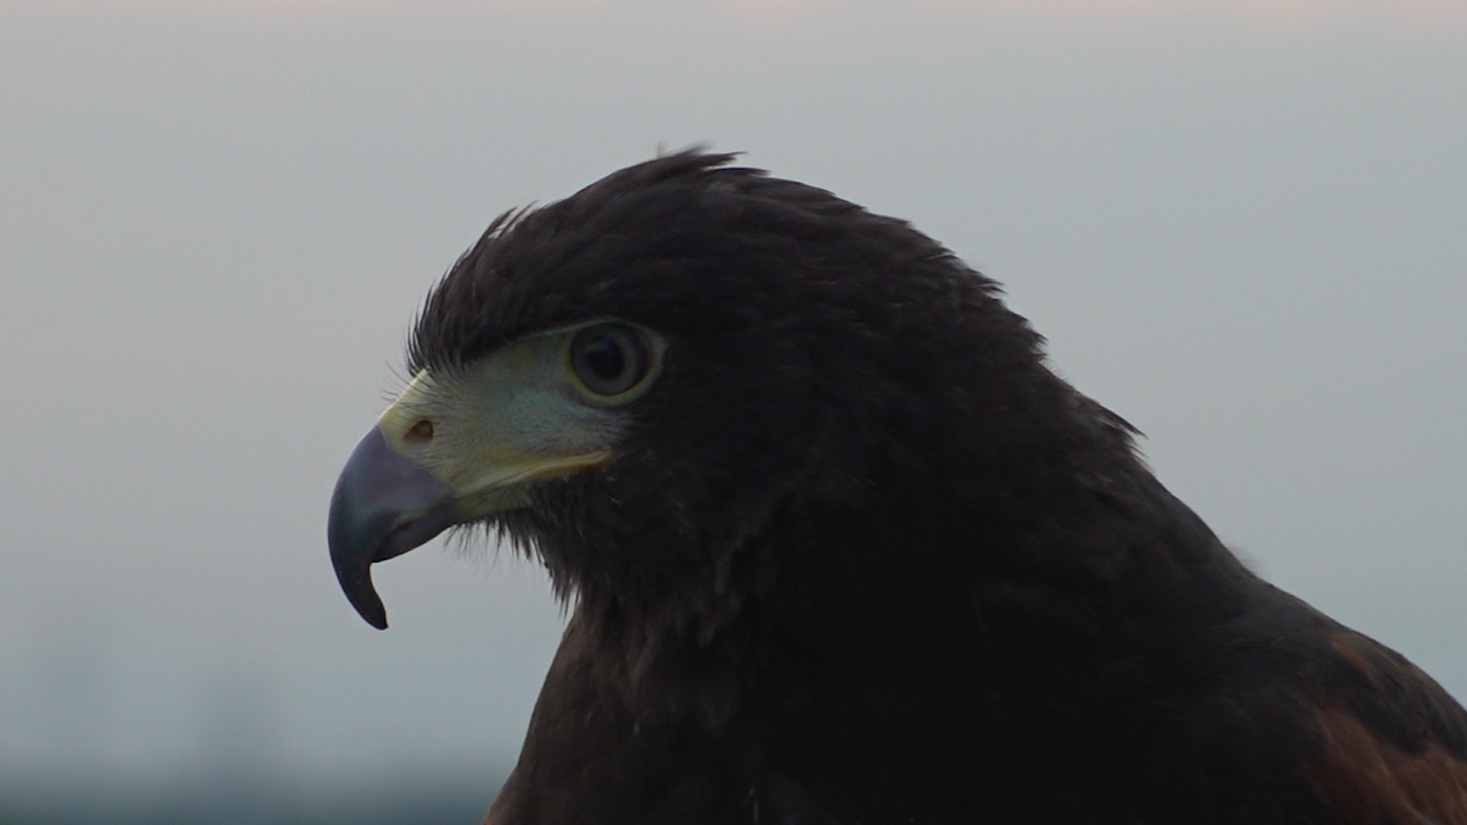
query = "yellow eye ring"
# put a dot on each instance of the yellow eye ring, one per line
(610, 360)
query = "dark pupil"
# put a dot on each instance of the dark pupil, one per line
(606, 357)
(609, 358)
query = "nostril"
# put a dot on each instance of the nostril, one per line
(420, 433)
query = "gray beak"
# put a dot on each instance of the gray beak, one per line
(384, 505)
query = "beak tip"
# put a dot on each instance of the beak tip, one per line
(370, 607)
(357, 585)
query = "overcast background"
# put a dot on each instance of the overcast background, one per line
(1243, 226)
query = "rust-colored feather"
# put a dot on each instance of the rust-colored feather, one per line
(1368, 781)
(1394, 743)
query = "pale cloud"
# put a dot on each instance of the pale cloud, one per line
(1273, 12)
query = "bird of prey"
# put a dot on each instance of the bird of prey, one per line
(843, 550)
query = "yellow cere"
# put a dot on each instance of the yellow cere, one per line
(513, 417)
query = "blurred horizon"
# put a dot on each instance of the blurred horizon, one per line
(1239, 224)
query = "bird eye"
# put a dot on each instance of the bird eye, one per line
(610, 359)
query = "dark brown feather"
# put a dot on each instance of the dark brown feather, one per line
(863, 558)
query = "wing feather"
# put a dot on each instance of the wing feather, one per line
(1394, 742)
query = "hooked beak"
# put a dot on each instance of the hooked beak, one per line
(462, 447)
(384, 505)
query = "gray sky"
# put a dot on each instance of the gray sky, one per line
(1243, 226)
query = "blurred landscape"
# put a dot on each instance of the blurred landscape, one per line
(414, 798)
(66, 762)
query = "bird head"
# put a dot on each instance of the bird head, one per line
(636, 380)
